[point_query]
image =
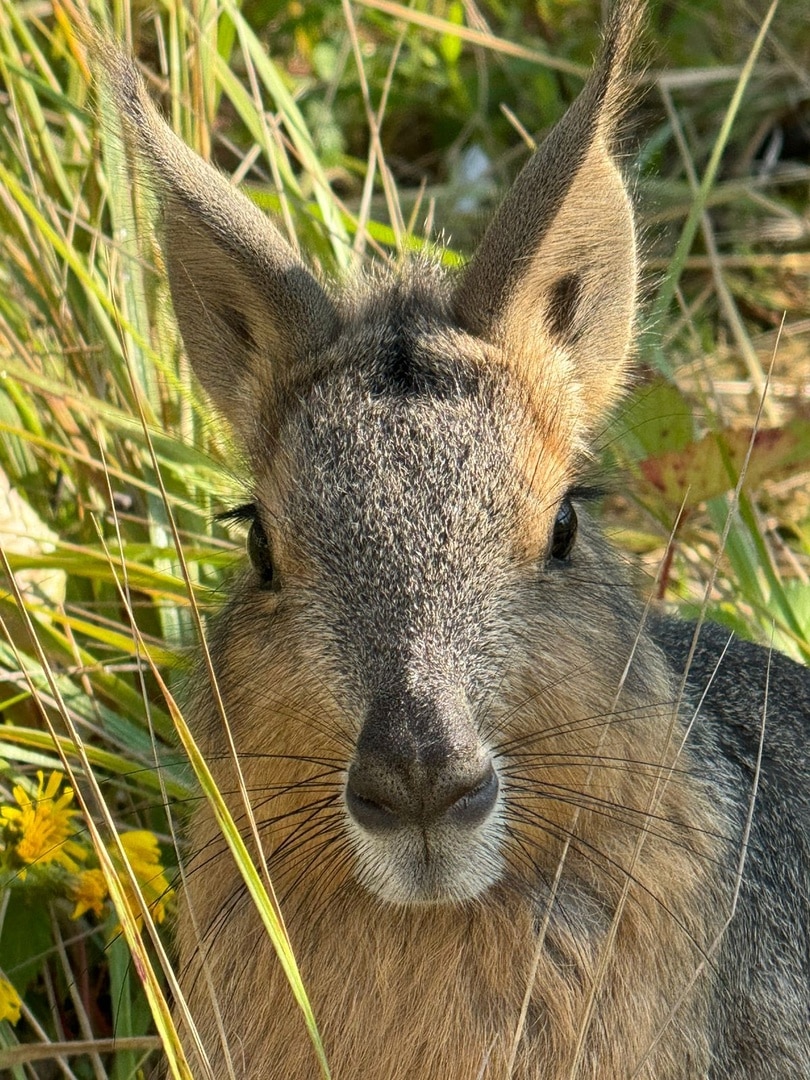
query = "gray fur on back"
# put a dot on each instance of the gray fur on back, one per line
(752, 727)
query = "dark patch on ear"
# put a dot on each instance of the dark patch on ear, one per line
(563, 303)
(238, 326)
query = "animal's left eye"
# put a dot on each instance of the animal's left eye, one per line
(565, 531)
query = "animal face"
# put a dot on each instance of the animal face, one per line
(414, 442)
(413, 615)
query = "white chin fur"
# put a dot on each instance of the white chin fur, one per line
(440, 865)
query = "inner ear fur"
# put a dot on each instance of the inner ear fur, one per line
(553, 282)
(247, 307)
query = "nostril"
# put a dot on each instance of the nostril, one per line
(369, 811)
(476, 803)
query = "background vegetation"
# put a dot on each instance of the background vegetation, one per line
(371, 128)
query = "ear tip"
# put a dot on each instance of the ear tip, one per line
(624, 24)
(620, 44)
(119, 75)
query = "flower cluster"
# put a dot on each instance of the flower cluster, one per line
(142, 852)
(40, 828)
(43, 844)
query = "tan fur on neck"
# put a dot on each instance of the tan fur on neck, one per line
(436, 991)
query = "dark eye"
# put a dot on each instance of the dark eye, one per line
(565, 531)
(260, 555)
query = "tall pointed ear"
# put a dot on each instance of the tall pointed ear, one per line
(247, 307)
(553, 281)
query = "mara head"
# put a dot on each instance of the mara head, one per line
(427, 614)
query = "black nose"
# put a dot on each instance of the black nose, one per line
(378, 801)
(418, 762)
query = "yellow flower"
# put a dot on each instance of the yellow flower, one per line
(41, 827)
(9, 1001)
(143, 853)
(89, 891)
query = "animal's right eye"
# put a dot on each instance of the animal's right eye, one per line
(261, 555)
(259, 550)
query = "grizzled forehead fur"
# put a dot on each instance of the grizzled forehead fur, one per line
(397, 331)
(399, 479)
